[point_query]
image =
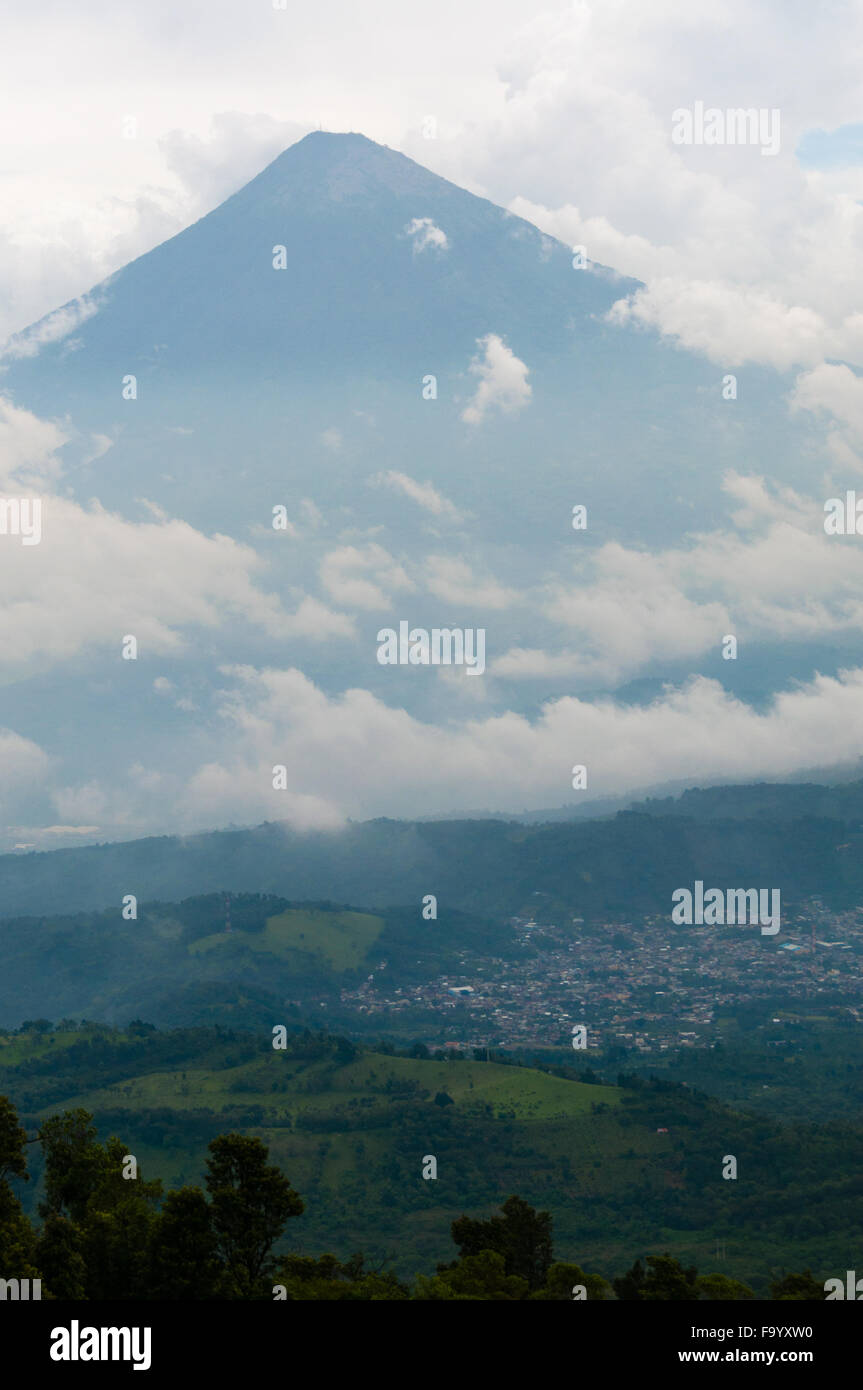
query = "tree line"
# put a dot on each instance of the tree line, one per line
(106, 1233)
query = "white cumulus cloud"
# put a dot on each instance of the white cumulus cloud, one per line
(425, 234)
(426, 495)
(503, 383)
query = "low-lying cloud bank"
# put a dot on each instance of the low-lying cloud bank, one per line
(353, 755)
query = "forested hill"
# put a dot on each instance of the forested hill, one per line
(627, 1169)
(805, 840)
(179, 963)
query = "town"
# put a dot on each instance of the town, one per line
(646, 985)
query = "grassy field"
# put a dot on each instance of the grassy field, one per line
(26, 1047)
(349, 1138)
(351, 1130)
(339, 940)
(511, 1092)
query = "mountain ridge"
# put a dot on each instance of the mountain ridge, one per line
(626, 863)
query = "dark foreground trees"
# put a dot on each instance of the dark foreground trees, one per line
(106, 1233)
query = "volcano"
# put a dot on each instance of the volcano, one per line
(382, 399)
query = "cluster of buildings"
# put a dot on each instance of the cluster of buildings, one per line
(646, 984)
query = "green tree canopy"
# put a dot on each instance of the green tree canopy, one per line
(562, 1278)
(797, 1288)
(719, 1288)
(474, 1277)
(664, 1280)
(184, 1259)
(251, 1202)
(519, 1233)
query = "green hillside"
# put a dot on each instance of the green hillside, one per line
(351, 1129)
(510, 1092)
(335, 940)
(176, 963)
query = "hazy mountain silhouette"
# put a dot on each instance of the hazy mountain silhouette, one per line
(257, 363)
(259, 386)
(805, 840)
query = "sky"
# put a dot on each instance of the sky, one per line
(122, 125)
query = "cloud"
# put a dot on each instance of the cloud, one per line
(47, 835)
(425, 234)
(237, 146)
(99, 446)
(426, 495)
(95, 577)
(772, 575)
(537, 106)
(503, 381)
(114, 199)
(51, 329)
(453, 580)
(354, 755)
(26, 767)
(532, 663)
(726, 323)
(311, 513)
(29, 449)
(361, 576)
(90, 801)
(634, 613)
(742, 263)
(833, 390)
(564, 113)
(315, 620)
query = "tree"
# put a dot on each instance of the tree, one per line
(562, 1278)
(74, 1163)
(629, 1285)
(251, 1201)
(58, 1252)
(668, 1281)
(665, 1280)
(13, 1137)
(184, 1258)
(110, 1216)
(797, 1288)
(17, 1238)
(474, 1277)
(328, 1280)
(115, 1228)
(519, 1233)
(718, 1288)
